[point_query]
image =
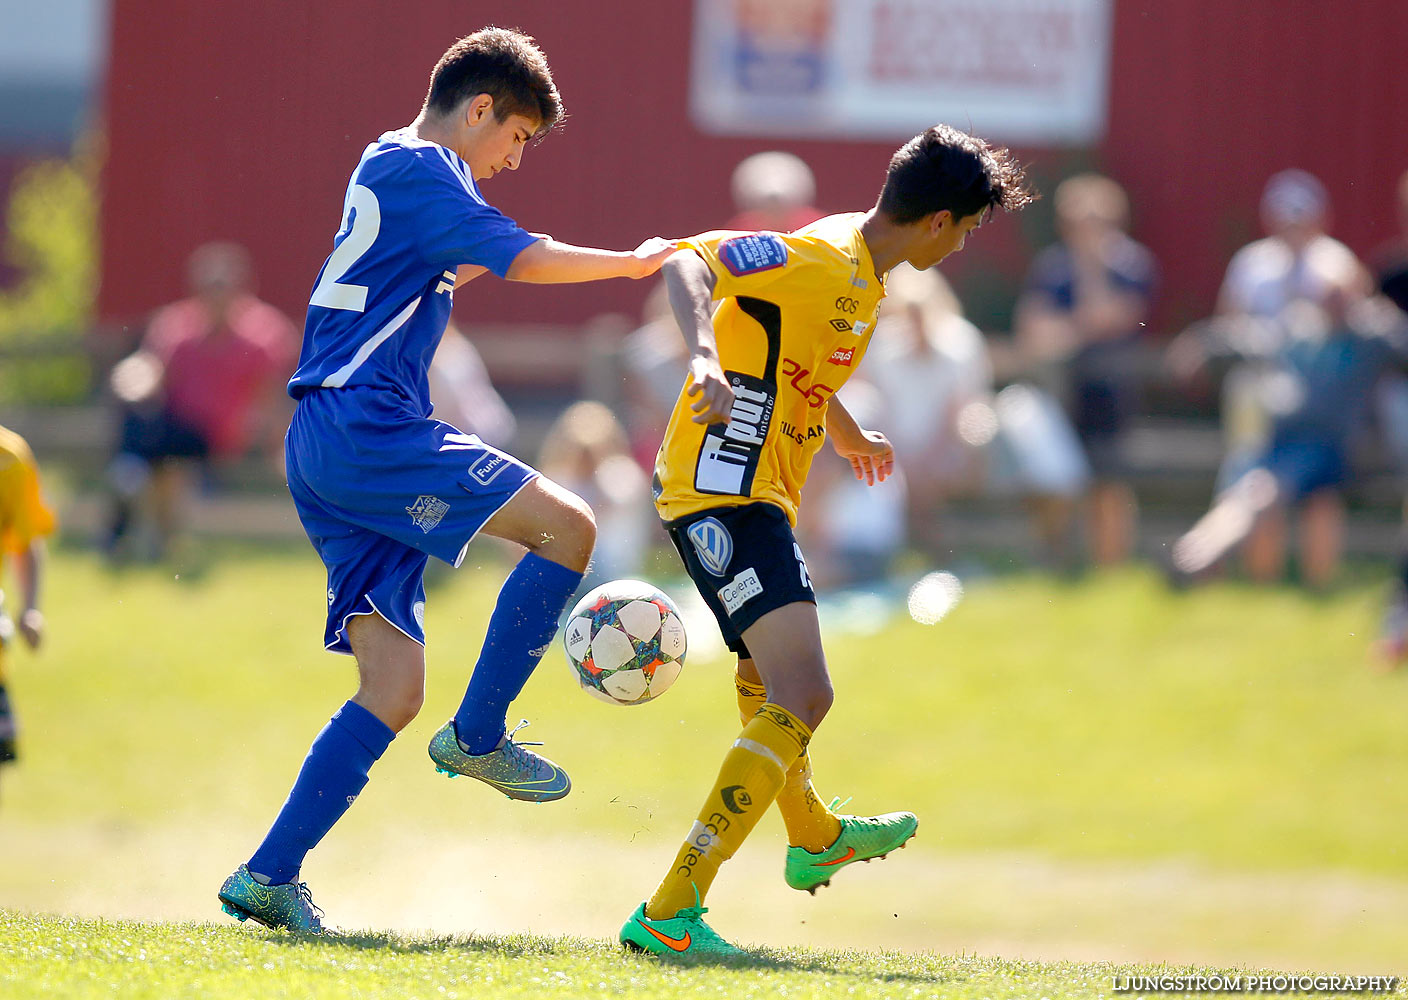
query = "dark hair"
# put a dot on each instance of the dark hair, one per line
(943, 168)
(505, 64)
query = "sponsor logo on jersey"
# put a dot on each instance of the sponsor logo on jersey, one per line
(752, 253)
(447, 283)
(842, 356)
(816, 392)
(842, 325)
(712, 543)
(859, 282)
(740, 590)
(860, 328)
(418, 613)
(799, 435)
(729, 455)
(427, 512)
(846, 304)
(488, 468)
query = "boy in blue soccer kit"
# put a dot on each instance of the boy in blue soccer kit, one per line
(381, 486)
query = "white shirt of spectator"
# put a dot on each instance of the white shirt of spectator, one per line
(1265, 276)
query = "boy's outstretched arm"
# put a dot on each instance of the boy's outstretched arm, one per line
(870, 453)
(548, 262)
(690, 284)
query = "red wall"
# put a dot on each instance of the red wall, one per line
(242, 121)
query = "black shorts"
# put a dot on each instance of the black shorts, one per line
(745, 562)
(8, 734)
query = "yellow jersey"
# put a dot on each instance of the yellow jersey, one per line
(24, 516)
(795, 316)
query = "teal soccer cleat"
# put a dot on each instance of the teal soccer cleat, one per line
(862, 838)
(511, 768)
(289, 906)
(685, 933)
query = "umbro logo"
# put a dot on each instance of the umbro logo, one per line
(841, 325)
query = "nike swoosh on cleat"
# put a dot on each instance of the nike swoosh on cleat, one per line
(850, 853)
(674, 944)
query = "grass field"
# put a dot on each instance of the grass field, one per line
(1104, 773)
(79, 959)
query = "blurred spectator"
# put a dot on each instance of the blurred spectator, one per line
(1082, 311)
(1296, 261)
(929, 364)
(462, 394)
(25, 520)
(854, 531)
(1390, 261)
(205, 385)
(586, 451)
(1334, 354)
(1390, 264)
(773, 191)
(655, 361)
(1036, 455)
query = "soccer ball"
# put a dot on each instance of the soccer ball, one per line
(625, 642)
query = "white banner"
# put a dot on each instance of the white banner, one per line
(1016, 71)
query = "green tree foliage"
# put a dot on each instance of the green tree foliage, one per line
(51, 238)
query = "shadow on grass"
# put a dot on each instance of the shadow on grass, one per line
(856, 965)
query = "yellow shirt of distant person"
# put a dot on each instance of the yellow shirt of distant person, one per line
(24, 516)
(795, 316)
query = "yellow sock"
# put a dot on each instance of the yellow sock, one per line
(749, 780)
(810, 825)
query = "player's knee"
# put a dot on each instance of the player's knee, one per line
(574, 535)
(403, 706)
(395, 702)
(818, 702)
(809, 698)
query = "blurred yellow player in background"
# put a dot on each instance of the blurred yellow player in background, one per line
(25, 520)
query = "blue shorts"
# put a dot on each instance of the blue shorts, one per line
(1302, 466)
(745, 562)
(379, 489)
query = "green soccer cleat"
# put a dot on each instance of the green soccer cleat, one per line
(289, 906)
(517, 772)
(862, 838)
(685, 933)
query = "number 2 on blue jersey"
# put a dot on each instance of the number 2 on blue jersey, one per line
(365, 216)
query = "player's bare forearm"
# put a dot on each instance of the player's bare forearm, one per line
(870, 453)
(690, 284)
(841, 427)
(548, 262)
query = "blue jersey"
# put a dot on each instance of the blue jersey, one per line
(412, 215)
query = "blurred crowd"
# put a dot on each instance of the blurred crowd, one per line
(1303, 349)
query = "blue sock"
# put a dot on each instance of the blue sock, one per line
(333, 774)
(520, 629)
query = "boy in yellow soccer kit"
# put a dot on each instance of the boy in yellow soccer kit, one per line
(793, 319)
(24, 522)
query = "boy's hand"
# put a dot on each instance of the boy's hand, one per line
(872, 457)
(31, 626)
(651, 254)
(707, 381)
